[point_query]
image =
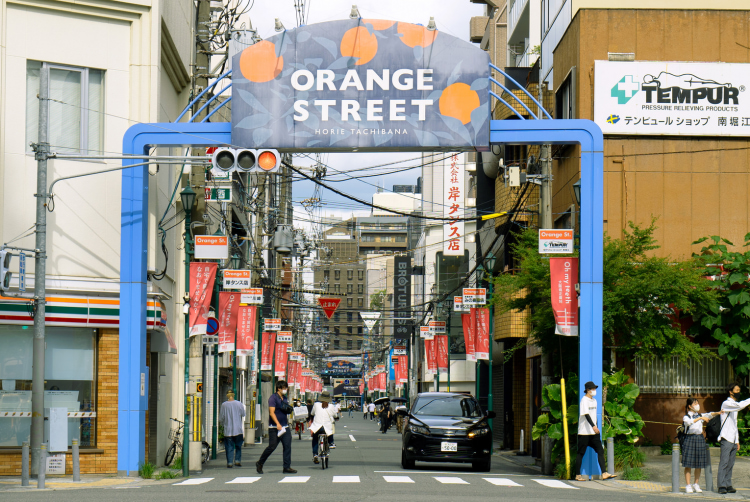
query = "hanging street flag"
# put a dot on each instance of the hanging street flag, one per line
(564, 274)
(469, 323)
(482, 333)
(441, 342)
(246, 331)
(403, 369)
(281, 354)
(329, 305)
(453, 210)
(229, 307)
(202, 277)
(370, 319)
(269, 340)
(430, 354)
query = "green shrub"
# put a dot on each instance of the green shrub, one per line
(560, 471)
(628, 455)
(177, 464)
(146, 470)
(634, 474)
(168, 474)
(666, 447)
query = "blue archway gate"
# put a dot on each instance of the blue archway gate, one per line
(141, 137)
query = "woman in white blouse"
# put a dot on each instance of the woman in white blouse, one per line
(321, 421)
(694, 453)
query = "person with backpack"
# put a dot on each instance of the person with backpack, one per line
(729, 437)
(694, 455)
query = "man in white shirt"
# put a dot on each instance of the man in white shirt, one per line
(371, 409)
(230, 417)
(729, 438)
(588, 432)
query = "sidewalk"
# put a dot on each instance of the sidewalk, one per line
(13, 484)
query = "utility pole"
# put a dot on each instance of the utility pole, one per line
(40, 273)
(545, 217)
(257, 250)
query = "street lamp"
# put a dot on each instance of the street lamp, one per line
(188, 200)
(577, 191)
(490, 260)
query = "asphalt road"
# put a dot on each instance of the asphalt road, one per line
(366, 465)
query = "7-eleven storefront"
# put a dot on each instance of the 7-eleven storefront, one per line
(81, 373)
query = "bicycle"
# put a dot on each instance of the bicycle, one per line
(323, 450)
(175, 434)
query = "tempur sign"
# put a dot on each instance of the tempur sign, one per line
(654, 98)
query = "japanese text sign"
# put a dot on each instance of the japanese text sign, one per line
(229, 306)
(474, 296)
(555, 241)
(272, 324)
(453, 206)
(482, 333)
(246, 331)
(236, 279)
(202, 277)
(211, 247)
(252, 296)
(564, 276)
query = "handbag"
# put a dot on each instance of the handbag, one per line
(285, 408)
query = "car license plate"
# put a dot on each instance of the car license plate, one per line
(448, 446)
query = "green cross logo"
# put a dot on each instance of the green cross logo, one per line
(625, 89)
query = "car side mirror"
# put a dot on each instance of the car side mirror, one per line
(491, 414)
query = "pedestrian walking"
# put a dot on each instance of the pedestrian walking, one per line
(588, 432)
(321, 421)
(364, 410)
(230, 417)
(729, 438)
(694, 446)
(371, 409)
(278, 411)
(385, 417)
(351, 409)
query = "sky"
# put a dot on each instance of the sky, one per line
(451, 16)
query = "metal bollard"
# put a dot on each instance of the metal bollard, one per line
(25, 464)
(676, 468)
(42, 466)
(611, 455)
(521, 450)
(76, 462)
(708, 473)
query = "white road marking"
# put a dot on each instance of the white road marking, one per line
(462, 473)
(398, 479)
(194, 481)
(346, 479)
(501, 482)
(295, 479)
(242, 480)
(451, 481)
(351, 437)
(554, 483)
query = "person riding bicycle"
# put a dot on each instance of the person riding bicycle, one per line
(321, 421)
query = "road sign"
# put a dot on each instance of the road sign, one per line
(237, 279)
(370, 319)
(211, 247)
(271, 324)
(437, 327)
(22, 271)
(212, 326)
(210, 339)
(218, 194)
(474, 296)
(252, 296)
(556, 241)
(329, 305)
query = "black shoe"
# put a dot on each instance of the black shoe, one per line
(229, 466)
(290, 471)
(259, 467)
(731, 489)
(238, 464)
(722, 491)
(315, 460)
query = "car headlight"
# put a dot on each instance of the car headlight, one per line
(418, 429)
(478, 432)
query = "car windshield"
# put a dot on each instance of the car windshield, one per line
(448, 406)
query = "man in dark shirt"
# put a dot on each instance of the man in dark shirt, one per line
(281, 433)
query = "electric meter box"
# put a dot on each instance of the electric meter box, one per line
(56, 429)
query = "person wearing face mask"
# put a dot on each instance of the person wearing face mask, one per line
(278, 410)
(729, 437)
(694, 453)
(588, 432)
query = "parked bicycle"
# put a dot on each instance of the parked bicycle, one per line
(175, 435)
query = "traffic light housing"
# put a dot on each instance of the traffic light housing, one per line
(245, 160)
(5, 273)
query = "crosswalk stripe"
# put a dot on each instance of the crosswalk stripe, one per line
(554, 483)
(451, 481)
(346, 479)
(295, 479)
(242, 480)
(398, 479)
(501, 482)
(351, 437)
(194, 481)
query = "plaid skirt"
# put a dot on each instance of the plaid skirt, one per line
(694, 454)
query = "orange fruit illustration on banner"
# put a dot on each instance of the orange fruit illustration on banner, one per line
(413, 35)
(258, 63)
(379, 24)
(359, 43)
(458, 101)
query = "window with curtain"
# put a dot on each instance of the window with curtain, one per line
(76, 109)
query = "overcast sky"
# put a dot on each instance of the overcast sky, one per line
(451, 16)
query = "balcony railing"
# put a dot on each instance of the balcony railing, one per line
(515, 13)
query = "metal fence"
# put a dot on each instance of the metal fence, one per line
(674, 377)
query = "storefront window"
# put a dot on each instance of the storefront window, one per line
(69, 380)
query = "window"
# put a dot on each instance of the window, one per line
(360, 288)
(336, 343)
(336, 331)
(565, 106)
(337, 288)
(359, 330)
(361, 275)
(349, 345)
(336, 317)
(400, 238)
(368, 238)
(349, 302)
(360, 302)
(350, 274)
(349, 330)
(349, 316)
(337, 275)
(657, 376)
(387, 238)
(76, 109)
(326, 274)
(359, 344)
(350, 288)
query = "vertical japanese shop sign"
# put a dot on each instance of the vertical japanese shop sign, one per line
(229, 306)
(442, 352)
(469, 323)
(202, 277)
(482, 334)
(402, 296)
(564, 274)
(281, 354)
(269, 340)
(453, 208)
(430, 354)
(403, 369)
(246, 331)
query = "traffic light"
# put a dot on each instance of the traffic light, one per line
(245, 160)
(5, 273)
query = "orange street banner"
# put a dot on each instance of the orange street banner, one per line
(202, 277)
(229, 307)
(564, 275)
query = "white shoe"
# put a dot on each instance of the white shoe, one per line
(697, 488)
(689, 489)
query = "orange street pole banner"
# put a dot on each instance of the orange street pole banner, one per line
(229, 307)
(564, 275)
(469, 323)
(482, 333)
(266, 361)
(202, 277)
(246, 331)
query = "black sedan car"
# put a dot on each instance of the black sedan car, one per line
(447, 427)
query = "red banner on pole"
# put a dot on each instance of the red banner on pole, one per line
(403, 370)
(202, 277)
(469, 323)
(229, 307)
(430, 354)
(280, 369)
(482, 334)
(246, 331)
(564, 274)
(292, 373)
(269, 340)
(442, 352)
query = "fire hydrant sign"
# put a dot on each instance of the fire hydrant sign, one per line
(252, 296)
(555, 241)
(237, 279)
(272, 325)
(475, 296)
(211, 247)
